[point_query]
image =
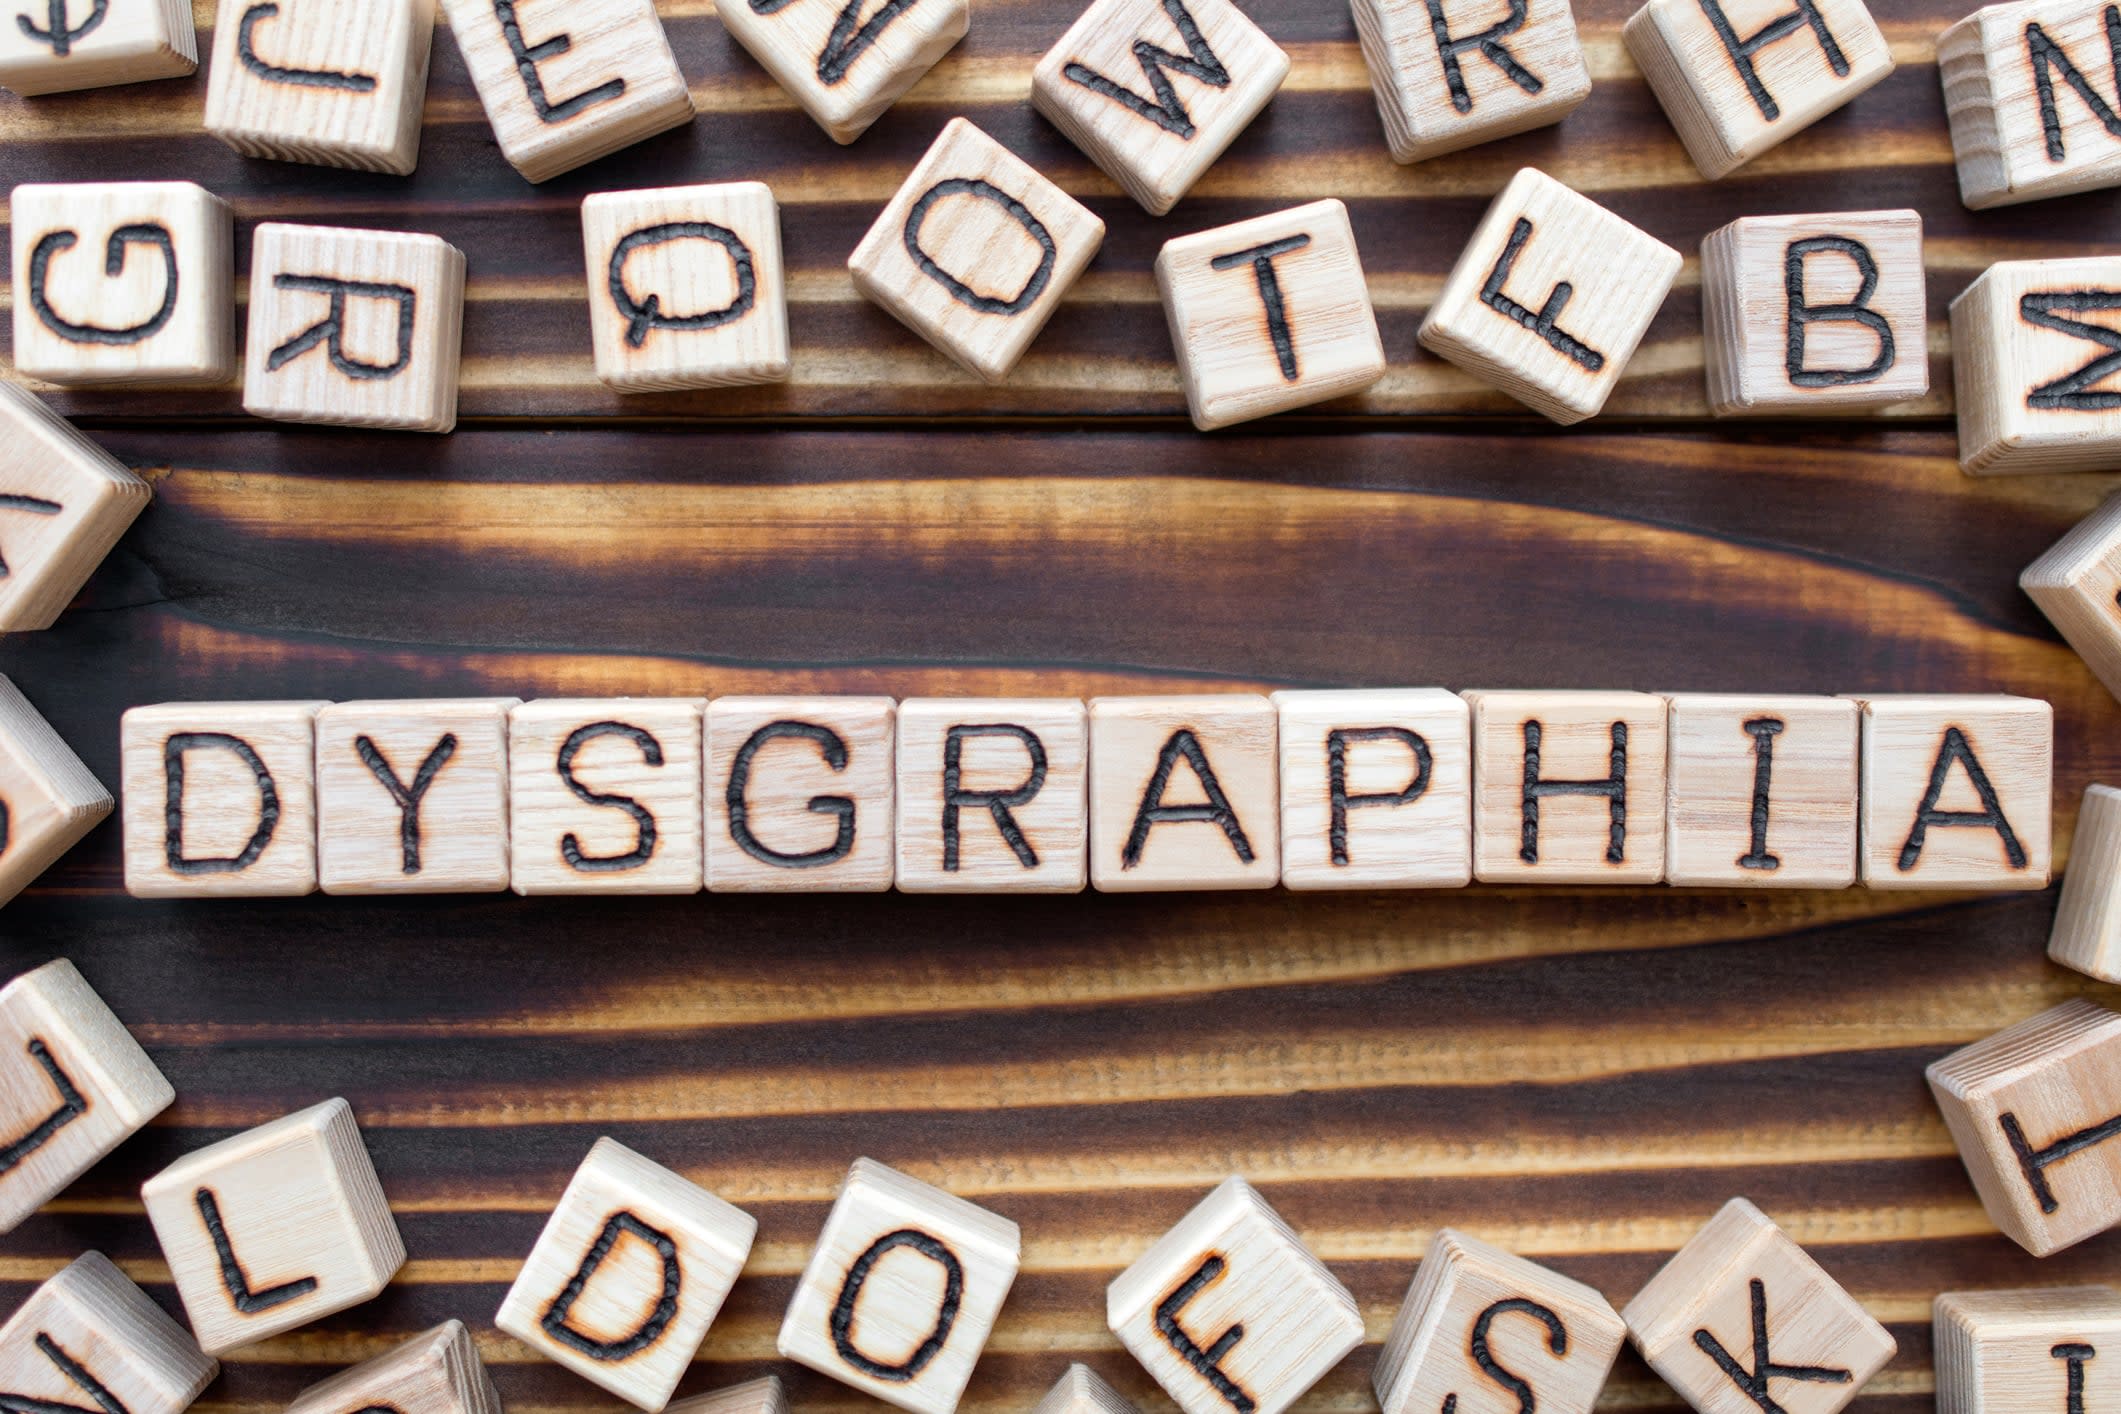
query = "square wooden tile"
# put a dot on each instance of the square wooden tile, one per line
(309, 81)
(436, 1372)
(2033, 351)
(48, 798)
(2087, 929)
(846, 75)
(1082, 1391)
(1483, 77)
(800, 794)
(1761, 791)
(1568, 787)
(220, 799)
(993, 795)
(1376, 789)
(126, 41)
(1957, 792)
(89, 1332)
(412, 796)
(604, 796)
(1183, 793)
(64, 502)
(2018, 79)
(2077, 584)
(1999, 1351)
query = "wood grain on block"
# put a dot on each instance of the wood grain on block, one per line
(220, 799)
(1446, 80)
(2077, 584)
(2031, 348)
(1761, 791)
(846, 77)
(436, 1372)
(800, 794)
(1742, 1314)
(412, 796)
(2035, 1110)
(1269, 314)
(48, 798)
(1184, 793)
(902, 1291)
(628, 1274)
(77, 1086)
(2029, 93)
(1081, 1391)
(1568, 787)
(753, 1397)
(1812, 314)
(2027, 1351)
(2087, 931)
(993, 795)
(1153, 91)
(1376, 789)
(123, 282)
(686, 286)
(90, 1339)
(1230, 1312)
(976, 251)
(310, 81)
(64, 502)
(1550, 298)
(1481, 1326)
(354, 328)
(1957, 792)
(64, 45)
(274, 1228)
(604, 796)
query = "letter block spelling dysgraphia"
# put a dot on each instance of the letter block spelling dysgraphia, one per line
(310, 81)
(2087, 930)
(800, 794)
(993, 795)
(1183, 793)
(2077, 584)
(845, 75)
(1446, 81)
(436, 1372)
(412, 796)
(220, 799)
(2030, 91)
(64, 502)
(1761, 791)
(1376, 789)
(48, 799)
(1568, 787)
(89, 1338)
(57, 46)
(604, 797)
(2032, 350)
(2001, 1352)
(1956, 792)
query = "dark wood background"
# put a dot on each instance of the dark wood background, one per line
(1581, 1075)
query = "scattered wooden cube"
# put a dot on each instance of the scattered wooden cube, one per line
(2004, 1350)
(993, 795)
(1183, 793)
(64, 502)
(2022, 93)
(308, 82)
(274, 1228)
(354, 328)
(220, 799)
(604, 796)
(1808, 313)
(1081, 1391)
(686, 286)
(2031, 352)
(2077, 584)
(1155, 90)
(902, 1291)
(800, 794)
(754, 1397)
(1550, 298)
(628, 1275)
(59, 46)
(1743, 1317)
(1230, 1312)
(975, 251)
(412, 796)
(2087, 930)
(48, 798)
(436, 1372)
(1956, 792)
(1269, 314)
(845, 77)
(1376, 789)
(1761, 792)
(1568, 787)
(1445, 83)
(88, 1335)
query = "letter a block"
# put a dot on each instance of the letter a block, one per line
(902, 1291)
(1957, 792)
(436, 1372)
(1761, 792)
(993, 795)
(309, 81)
(2029, 90)
(2077, 584)
(2087, 931)
(845, 77)
(48, 799)
(277, 1227)
(220, 799)
(2033, 346)
(58, 46)
(604, 797)
(628, 1275)
(412, 796)
(1184, 793)
(1376, 789)
(64, 502)
(1447, 81)
(799, 794)
(1568, 787)
(88, 1338)
(1999, 1351)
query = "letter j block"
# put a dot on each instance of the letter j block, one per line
(2032, 352)
(308, 81)
(220, 799)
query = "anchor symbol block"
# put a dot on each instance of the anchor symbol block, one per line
(59, 46)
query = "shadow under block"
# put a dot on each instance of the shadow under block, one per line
(993, 795)
(76, 1086)
(354, 328)
(2087, 930)
(48, 798)
(2077, 584)
(1761, 792)
(604, 796)
(1081, 1391)
(1230, 1311)
(123, 282)
(2026, 91)
(1550, 298)
(1269, 314)
(1743, 1303)
(436, 1372)
(1153, 91)
(2016, 1352)
(1184, 793)
(686, 287)
(64, 502)
(60, 46)
(311, 81)
(2030, 353)
(1445, 82)
(220, 799)
(1808, 313)
(845, 78)
(1568, 787)
(2035, 1110)
(976, 251)
(874, 1308)
(800, 794)
(274, 1228)
(89, 1338)
(412, 796)
(628, 1275)
(1376, 789)
(1957, 792)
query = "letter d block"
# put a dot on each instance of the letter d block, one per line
(799, 794)
(1999, 1351)
(309, 81)
(220, 799)
(89, 1338)
(64, 502)
(1447, 80)
(412, 796)
(1376, 789)
(59, 46)
(604, 797)
(1957, 792)
(1568, 787)
(2032, 349)
(845, 77)
(48, 799)
(2028, 90)
(993, 795)
(628, 1275)
(1184, 793)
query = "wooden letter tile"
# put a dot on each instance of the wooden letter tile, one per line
(628, 1275)
(1550, 298)
(64, 502)
(800, 794)
(412, 796)
(845, 77)
(1184, 793)
(1448, 80)
(89, 1338)
(63, 45)
(1376, 789)
(1761, 792)
(1743, 1316)
(902, 1291)
(993, 795)
(604, 797)
(1568, 787)
(2029, 90)
(436, 1372)
(686, 287)
(48, 799)
(1155, 90)
(755, 1397)
(310, 81)
(2077, 584)
(2005, 1351)
(2087, 931)
(220, 799)
(1956, 792)
(274, 1228)
(1269, 314)
(976, 251)
(1081, 1391)
(2030, 352)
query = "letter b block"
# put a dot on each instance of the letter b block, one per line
(1184, 793)
(220, 799)
(88, 1338)
(1957, 792)
(1446, 81)
(604, 797)
(1999, 1351)
(2033, 348)
(412, 797)
(309, 81)
(800, 794)
(2029, 90)
(1568, 787)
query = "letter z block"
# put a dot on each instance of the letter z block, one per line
(1447, 82)
(2032, 347)
(412, 796)
(2077, 584)
(220, 799)
(2026, 90)
(64, 502)
(59, 46)
(48, 799)
(2087, 931)
(1184, 793)
(1957, 792)
(2003, 1350)
(436, 1372)
(993, 795)
(1568, 787)
(845, 77)
(799, 794)
(1376, 789)
(309, 81)
(89, 1338)
(1761, 792)
(604, 797)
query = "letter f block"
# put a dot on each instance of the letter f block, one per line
(220, 799)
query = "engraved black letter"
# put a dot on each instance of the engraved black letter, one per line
(829, 746)
(1206, 1363)
(75, 1372)
(57, 35)
(1557, 1341)
(71, 1107)
(1488, 42)
(408, 799)
(1340, 802)
(1154, 812)
(958, 290)
(2076, 1354)
(2047, 56)
(1742, 50)
(851, 1293)
(247, 54)
(1167, 112)
(645, 315)
(1857, 311)
(1542, 323)
(330, 330)
(31, 505)
(1988, 817)
(2033, 1163)
(529, 56)
(2075, 390)
(846, 43)
(249, 1302)
(554, 1321)
(121, 240)
(173, 748)
(643, 821)
(1261, 259)
(1614, 788)
(1763, 731)
(1754, 1382)
(996, 802)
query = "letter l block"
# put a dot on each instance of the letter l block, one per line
(89, 1338)
(220, 799)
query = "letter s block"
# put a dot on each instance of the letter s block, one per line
(800, 794)
(220, 799)
(64, 502)
(1450, 76)
(2029, 90)
(48, 799)
(846, 74)
(436, 1372)
(1183, 793)
(59, 46)
(88, 1338)
(2033, 349)
(2040, 1349)
(1957, 792)
(604, 797)
(412, 796)
(309, 81)
(1568, 787)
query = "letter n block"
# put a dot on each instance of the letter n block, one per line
(628, 1275)
(48, 799)
(1184, 793)
(902, 1292)
(88, 1338)
(1568, 787)
(1447, 81)
(64, 502)
(58, 46)
(309, 81)
(1761, 792)
(604, 797)
(1376, 789)
(436, 1372)
(2077, 584)
(800, 794)
(2087, 931)
(2032, 348)
(412, 796)
(220, 799)
(2037, 1349)
(1957, 792)
(2029, 91)
(993, 795)
(846, 77)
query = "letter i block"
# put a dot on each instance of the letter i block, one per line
(2077, 584)
(436, 1372)
(48, 799)
(604, 797)
(2039, 1349)
(274, 1228)
(308, 81)
(220, 799)
(799, 794)
(628, 1275)
(1957, 792)
(64, 502)
(845, 77)
(1761, 792)
(88, 1338)
(1184, 793)
(1080, 1391)
(58, 46)
(993, 795)
(1568, 787)
(412, 797)
(2032, 348)
(1376, 789)
(976, 251)
(2026, 91)
(902, 1291)
(2087, 931)
(1447, 82)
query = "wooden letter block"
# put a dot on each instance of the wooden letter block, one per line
(902, 1291)
(628, 1275)
(1155, 90)
(1742, 1319)
(77, 1085)
(1081, 1391)
(2077, 584)
(1184, 793)
(1761, 792)
(436, 1372)
(2002, 1351)
(2034, 1110)
(800, 794)
(686, 287)
(756, 1397)
(64, 502)
(274, 1228)
(59, 46)
(1447, 81)
(1230, 1312)
(1568, 787)
(1376, 789)
(123, 282)
(48, 799)
(1957, 792)
(993, 795)
(1803, 314)
(976, 251)
(2087, 931)
(1737, 77)
(2022, 90)
(843, 76)
(221, 799)
(1481, 1326)
(1550, 298)
(412, 796)
(2030, 360)
(309, 81)
(89, 1338)
(1269, 314)
(604, 797)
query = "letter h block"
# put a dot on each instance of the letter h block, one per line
(60, 46)
(220, 799)
(412, 796)
(1184, 793)
(309, 81)
(1568, 787)
(1957, 792)
(90, 1339)
(604, 797)
(2029, 89)
(846, 71)
(48, 799)
(436, 1372)
(1999, 1351)
(993, 795)
(800, 794)
(2033, 350)
(1443, 84)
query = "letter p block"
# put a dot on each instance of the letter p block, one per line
(220, 799)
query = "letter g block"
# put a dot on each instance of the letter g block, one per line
(220, 799)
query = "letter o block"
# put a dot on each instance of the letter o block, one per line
(1568, 787)
(846, 77)
(1999, 1351)
(1445, 82)
(1957, 792)
(604, 797)
(1184, 793)
(2028, 90)
(2032, 347)
(436, 1372)
(308, 81)
(800, 794)
(412, 796)
(220, 799)
(88, 1337)
(48, 799)
(60, 46)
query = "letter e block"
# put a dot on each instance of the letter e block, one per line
(845, 77)
(604, 797)
(2028, 91)
(1957, 792)
(48, 799)
(1081, 1391)
(1184, 793)
(309, 81)
(88, 1337)
(220, 799)
(1376, 789)
(1999, 1351)
(59, 46)
(2032, 348)
(1568, 787)
(2077, 584)
(436, 1372)
(1446, 82)
(412, 796)
(64, 502)
(993, 795)
(2087, 931)
(800, 794)
(1761, 792)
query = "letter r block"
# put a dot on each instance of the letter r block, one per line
(1184, 793)
(2033, 352)
(845, 77)
(412, 796)
(64, 502)
(993, 795)
(1568, 787)
(309, 81)
(60, 46)
(800, 794)
(220, 799)
(1376, 789)
(89, 1338)
(48, 799)
(2029, 91)
(604, 797)
(2040, 1349)
(1448, 76)
(1957, 792)
(436, 1372)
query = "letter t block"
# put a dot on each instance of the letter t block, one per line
(1999, 1351)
